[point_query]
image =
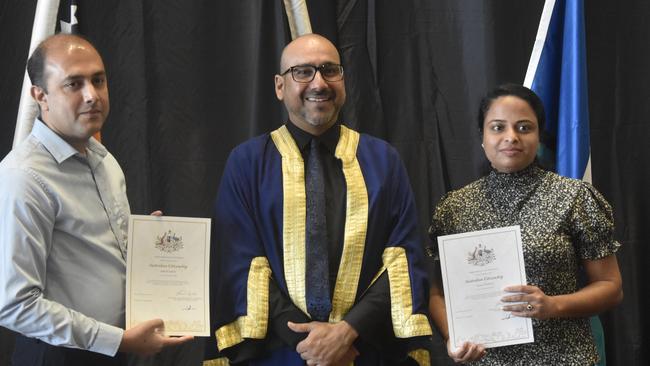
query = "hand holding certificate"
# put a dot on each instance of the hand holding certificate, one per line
(476, 267)
(167, 273)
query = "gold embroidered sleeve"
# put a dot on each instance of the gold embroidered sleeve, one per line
(255, 323)
(405, 323)
(217, 362)
(421, 356)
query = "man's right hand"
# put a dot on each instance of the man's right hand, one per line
(147, 338)
(466, 352)
(326, 343)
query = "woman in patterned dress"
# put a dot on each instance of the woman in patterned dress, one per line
(566, 226)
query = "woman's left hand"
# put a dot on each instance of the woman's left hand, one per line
(531, 301)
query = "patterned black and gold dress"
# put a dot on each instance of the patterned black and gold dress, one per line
(563, 221)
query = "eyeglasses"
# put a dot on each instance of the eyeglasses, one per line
(306, 73)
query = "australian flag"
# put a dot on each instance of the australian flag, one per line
(50, 16)
(68, 21)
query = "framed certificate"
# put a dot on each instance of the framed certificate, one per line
(167, 274)
(476, 266)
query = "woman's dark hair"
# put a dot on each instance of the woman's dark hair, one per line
(514, 90)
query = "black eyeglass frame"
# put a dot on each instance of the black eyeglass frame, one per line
(316, 69)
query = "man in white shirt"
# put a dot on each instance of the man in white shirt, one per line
(63, 223)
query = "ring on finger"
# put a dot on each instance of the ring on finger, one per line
(529, 307)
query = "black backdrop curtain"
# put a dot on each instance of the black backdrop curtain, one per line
(618, 46)
(189, 80)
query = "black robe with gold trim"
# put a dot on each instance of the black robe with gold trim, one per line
(259, 237)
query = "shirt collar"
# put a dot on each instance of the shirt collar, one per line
(58, 147)
(329, 138)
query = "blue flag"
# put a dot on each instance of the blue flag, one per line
(558, 74)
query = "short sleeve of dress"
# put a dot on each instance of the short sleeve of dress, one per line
(592, 224)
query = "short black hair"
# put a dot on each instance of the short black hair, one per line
(514, 90)
(36, 62)
(36, 67)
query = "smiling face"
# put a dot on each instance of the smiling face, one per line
(313, 106)
(75, 104)
(510, 134)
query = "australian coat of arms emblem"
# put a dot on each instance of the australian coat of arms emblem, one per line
(481, 255)
(168, 242)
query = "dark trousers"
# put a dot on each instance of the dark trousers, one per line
(32, 352)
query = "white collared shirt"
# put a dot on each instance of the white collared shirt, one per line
(63, 230)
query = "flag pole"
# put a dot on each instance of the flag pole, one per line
(540, 39)
(298, 17)
(44, 25)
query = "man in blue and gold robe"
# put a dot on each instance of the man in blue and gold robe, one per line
(264, 268)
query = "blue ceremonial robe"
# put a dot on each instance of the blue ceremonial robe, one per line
(259, 236)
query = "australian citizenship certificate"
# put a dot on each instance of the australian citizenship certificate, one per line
(476, 266)
(167, 275)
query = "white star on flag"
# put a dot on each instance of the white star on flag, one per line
(67, 27)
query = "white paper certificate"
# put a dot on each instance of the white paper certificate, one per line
(476, 266)
(168, 264)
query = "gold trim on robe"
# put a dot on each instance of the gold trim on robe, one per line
(421, 356)
(217, 362)
(405, 323)
(356, 224)
(294, 216)
(254, 324)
